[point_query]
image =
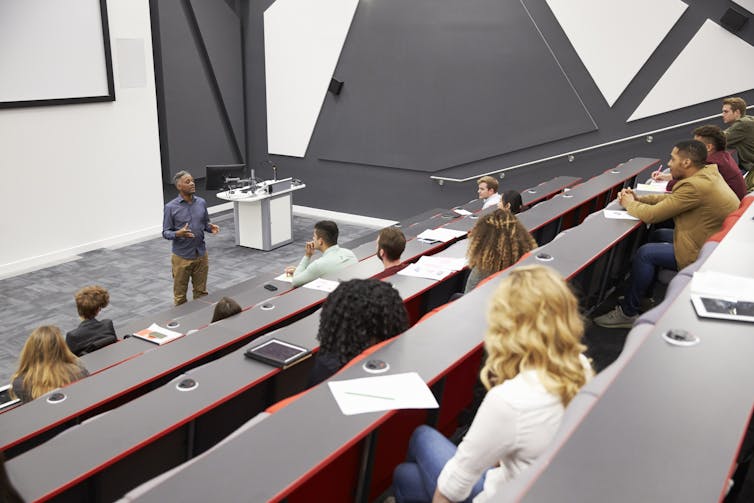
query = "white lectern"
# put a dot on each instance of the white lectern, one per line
(263, 213)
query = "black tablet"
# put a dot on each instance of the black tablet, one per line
(278, 353)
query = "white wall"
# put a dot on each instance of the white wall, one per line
(80, 177)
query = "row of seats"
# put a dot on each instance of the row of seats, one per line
(134, 366)
(612, 187)
(585, 400)
(453, 385)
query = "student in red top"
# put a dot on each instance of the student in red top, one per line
(390, 246)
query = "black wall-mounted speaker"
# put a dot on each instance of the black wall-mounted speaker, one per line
(733, 20)
(335, 86)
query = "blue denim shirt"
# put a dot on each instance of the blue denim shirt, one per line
(178, 213)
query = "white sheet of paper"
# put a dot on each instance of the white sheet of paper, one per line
(462, 212)
(660, 187)
(154, 327)
(284, 277)
(323, 285)
(442, 235)
(723, 286)
(417, 270)
(390, 392)
(618, 215)
(448, 263)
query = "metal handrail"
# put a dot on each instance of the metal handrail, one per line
(442, 179)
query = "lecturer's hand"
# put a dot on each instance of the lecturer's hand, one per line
(184, 232)
(309, 250)
(214, 229)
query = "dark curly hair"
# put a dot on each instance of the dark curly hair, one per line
(360, 313)
(712, 135)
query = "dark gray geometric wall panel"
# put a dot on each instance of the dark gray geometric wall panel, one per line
(220, 29)
(194, 127)
(431, 84)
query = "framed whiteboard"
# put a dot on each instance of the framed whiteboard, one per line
(54, 52)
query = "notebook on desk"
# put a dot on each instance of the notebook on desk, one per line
(157, 334)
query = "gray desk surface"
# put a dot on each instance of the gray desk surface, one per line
(158, 361)
(229, 326)
(218, 380)
(197, 314)
(546, 189)
(314, 420)
(670, 425)
(560, 204)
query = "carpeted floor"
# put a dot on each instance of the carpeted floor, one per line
(138, 279)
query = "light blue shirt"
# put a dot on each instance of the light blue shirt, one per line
(334, 259)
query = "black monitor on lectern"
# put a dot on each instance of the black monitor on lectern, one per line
(221, 175)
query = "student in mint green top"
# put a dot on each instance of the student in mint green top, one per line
(334, 258)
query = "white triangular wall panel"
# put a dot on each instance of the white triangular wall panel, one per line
(714, 64)
(615, 38)
(302, 44)
(746, 4)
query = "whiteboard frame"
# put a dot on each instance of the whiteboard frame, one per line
(110, 96)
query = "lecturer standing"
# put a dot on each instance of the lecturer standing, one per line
(184, 222)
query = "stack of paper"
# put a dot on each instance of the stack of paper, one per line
(391, 392)
(323, 285)
(435, 268)
(157, 334)
(462, 212)
(660, 187)
(724, 296)
(618, 215)
(440, 235)
(450, 263)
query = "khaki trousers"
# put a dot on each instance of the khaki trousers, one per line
(185, 269)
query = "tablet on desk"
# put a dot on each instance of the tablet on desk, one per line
(278, 353)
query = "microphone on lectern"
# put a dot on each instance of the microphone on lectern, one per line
(274, 170)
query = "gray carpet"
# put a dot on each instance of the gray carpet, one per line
(138, 279)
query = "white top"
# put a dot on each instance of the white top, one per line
(514, 424)
(492, 200)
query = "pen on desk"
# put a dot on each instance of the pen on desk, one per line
(368, 396)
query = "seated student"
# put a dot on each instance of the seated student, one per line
(91, 333)
(334, 258)
(497, 241)
(534, 367)
(487, 190)
(390, 245)
(511, 201)
(45, 364)
(225, 308)
(714, 139)
(357, 314)
(698, 204)
(740, 135)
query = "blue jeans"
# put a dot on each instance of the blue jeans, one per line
(659, 252)
(416, 480)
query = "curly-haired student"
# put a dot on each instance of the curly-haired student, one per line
(357, 314)
(497, 241)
